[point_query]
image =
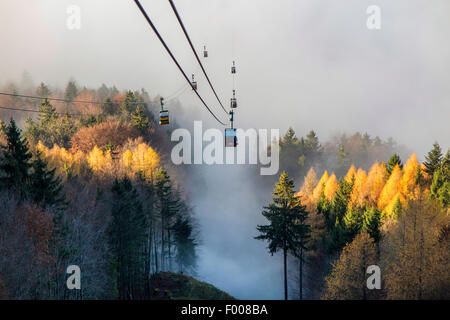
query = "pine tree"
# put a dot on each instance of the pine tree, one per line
(15, 162)
(433, 159)
(45, 189)
(393, 161)
(168, 205)
(185, 243)
(71, 91)
(372, 223)
(47, 114)
(440, 186)
(108, 106)
(127, 106)
(139, 120)
(43, 91)
(287, 230)
(127, 237)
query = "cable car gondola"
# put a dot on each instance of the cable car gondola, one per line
(230, 138)
(234, 100)
(205, 52)
(163, 114)
(233, 69)
(194, 84)
(230, 134)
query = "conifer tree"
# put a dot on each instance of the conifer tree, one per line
(139, 120)
(15, 162)
(372, 223)
(393, 161)
(287, 230)
(71, 91)
(440, 186)
(185, 243)
(43, 91)
(45, 189)
(433, 159)
(127, 237)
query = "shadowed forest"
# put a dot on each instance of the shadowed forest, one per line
(87, 180)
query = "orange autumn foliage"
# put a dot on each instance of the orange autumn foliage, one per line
(330, 187)
(320, 185)
(391, 188)
(351, 173)
(375, 182)
(358, 196)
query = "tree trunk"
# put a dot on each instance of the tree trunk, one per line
(285, 272)
(301, 275)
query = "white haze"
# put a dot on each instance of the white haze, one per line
(308, 64)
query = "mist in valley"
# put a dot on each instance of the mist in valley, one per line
(309, 65)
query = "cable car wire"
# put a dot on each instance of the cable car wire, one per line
(58, 99)
(149, 21)
(195, 52)
(49, 112)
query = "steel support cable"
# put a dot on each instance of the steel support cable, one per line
(149, 21)
(57, 99)
(195, 52)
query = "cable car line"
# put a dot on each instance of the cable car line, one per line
(38, 111)
(58, 99)
(205, 54)
(144, 13)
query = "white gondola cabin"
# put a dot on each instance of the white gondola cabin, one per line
(205, 52)
(233, 68)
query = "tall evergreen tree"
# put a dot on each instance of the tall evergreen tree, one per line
(15, 162)
(440, 186)
(393, 161)
(43, 91)
(185, 243)
(372, 223)
(168, 205)
(433, 159)
(287, 230)
(127, 237)
(45, 188)
(71, 91)
(139, 119)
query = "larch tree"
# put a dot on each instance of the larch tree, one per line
(415, 255)
(331, 187)
(375, 182)
(358, 197)
(391, 188)
(320, 186)
(347, 280)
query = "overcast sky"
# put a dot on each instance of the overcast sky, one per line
(310, 64)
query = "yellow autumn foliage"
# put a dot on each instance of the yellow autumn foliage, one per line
(331, 187)
(145, 160)
(350, 173)
(375, 182)
(100, 161)
(320, 185)
(391, 188)
(358, 196)
(408, 186)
